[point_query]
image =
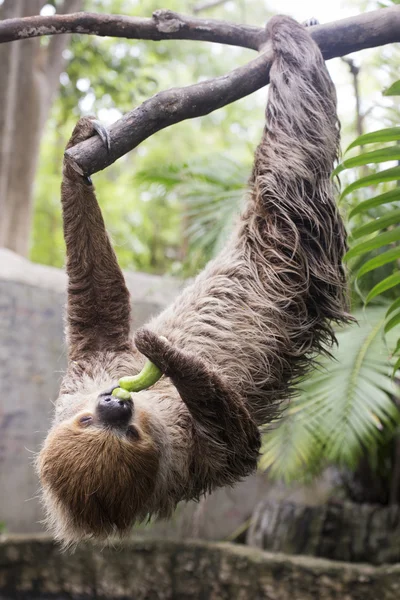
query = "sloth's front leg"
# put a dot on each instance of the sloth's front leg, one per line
(98, 310)
(228, 436)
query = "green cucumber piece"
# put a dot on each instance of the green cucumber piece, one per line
(147, 377)
(121, 394)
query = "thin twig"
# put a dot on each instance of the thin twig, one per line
(355, 72)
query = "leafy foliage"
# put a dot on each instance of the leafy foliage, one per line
(345, 407)
(211, 191)
(153, 224)
(375, 243)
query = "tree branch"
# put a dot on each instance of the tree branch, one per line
(178, 104)
(163, 25)
(368, 30)
(169, 107)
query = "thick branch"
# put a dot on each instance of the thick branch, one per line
(164, 25)
(368, 30)
(171, 106)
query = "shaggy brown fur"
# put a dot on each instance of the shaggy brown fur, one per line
(231, 346)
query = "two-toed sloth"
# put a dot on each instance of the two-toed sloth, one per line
(232, 345)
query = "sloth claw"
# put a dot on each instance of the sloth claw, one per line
(85, 128)
(102, 133)
(311, 22)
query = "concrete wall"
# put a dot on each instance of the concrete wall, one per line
(33, 569)
(335, 530)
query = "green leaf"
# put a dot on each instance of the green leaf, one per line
(393, 90)
(344, 408)
(396, 366)
(290, 446)
(397, 349)
(378, 261)
(391, 218)
(385, 198)
(383, 239)
(366, 158)
(394, 306)
(384, 285)
(390, 134)
(392, 174)
(393, 322)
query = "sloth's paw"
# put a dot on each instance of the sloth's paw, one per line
(87, 127)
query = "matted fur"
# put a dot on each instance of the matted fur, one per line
(231, 347)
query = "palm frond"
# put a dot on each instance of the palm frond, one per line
(210, 189)
(345, 407)
(375, 243)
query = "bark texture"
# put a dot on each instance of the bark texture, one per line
(158, 570)
(341, 37)
(338, 531)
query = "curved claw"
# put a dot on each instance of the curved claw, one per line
(103, 133)
(311, 22)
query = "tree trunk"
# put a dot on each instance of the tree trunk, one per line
(30, 72)
(338, 531)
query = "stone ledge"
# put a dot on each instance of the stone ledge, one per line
(33, 568)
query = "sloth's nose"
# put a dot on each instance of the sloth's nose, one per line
(113, 411)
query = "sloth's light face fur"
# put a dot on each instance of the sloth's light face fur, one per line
(96, 479)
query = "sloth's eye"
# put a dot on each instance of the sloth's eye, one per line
(132, 433)
(85, 420)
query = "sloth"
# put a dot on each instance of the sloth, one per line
(231, 347)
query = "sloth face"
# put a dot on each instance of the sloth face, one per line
(98, 466)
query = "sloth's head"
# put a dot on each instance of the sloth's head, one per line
(100, 464)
